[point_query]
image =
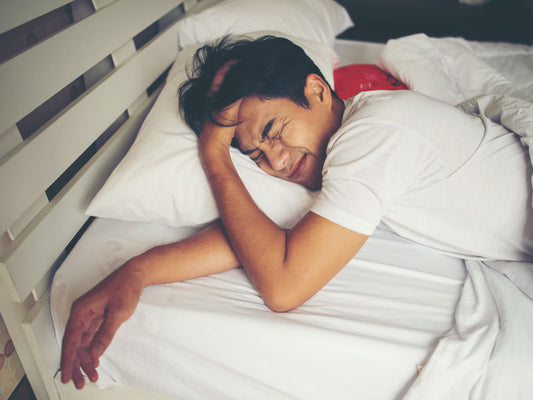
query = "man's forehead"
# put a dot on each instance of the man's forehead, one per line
(258, 115)
(247, 133)
(253, 118)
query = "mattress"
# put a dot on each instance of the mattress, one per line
(362, 336)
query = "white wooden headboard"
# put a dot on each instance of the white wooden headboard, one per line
(107, 62)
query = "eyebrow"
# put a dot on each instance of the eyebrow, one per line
(264, 135)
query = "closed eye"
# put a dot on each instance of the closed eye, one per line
(258, 157)
(266, 130)
(277, 136)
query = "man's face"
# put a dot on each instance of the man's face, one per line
(284, 139)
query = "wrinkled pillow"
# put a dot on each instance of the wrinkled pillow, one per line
(316, 20)
(353, 79)
(161, 179)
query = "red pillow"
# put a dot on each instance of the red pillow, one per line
(353, 79)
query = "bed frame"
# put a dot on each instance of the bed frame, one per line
(71, 106)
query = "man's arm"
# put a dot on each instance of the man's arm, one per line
(287, 268)
(96, 316)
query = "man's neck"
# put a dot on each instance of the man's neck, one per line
(338, 110)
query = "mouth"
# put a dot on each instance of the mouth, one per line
(297, 168)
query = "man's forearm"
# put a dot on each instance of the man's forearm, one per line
(258, 242)
(208, 252)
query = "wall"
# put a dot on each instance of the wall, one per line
(496, 20)
(11, 371)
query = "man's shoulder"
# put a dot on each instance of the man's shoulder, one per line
(384, 104)
(375, 112)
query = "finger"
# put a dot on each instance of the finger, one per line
(219, 77)
(86, 362)
(77, 377)
(90, 331)
(75, 336)
(70, 344)
(87, 365)
(102, 339)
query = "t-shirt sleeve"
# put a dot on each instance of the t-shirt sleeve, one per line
(369, 164)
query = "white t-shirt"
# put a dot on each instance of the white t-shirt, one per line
(431, 173)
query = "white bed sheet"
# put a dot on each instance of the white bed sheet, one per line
(362, 336)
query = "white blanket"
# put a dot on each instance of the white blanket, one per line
(488, 353)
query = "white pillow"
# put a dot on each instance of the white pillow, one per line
(161, 179)
(316, 20)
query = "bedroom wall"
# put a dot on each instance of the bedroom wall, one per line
(11, 371)
(497, 20)
(529, 5)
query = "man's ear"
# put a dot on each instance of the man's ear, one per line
(316, 87)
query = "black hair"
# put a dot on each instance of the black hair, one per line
(269, 67)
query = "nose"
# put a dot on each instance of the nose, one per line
(278, 156)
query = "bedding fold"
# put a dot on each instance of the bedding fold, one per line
(487, 353)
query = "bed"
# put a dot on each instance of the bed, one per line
(399, 322)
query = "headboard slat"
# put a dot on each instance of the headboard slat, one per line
(41, 338)
(30, 171)
(24, 220)
(15, 13)
(9, 139)
(84, 44)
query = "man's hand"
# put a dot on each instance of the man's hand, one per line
(215, 136)
(96, 316)
(94, 319)
(218, 137)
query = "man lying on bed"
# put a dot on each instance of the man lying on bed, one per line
(426, 170)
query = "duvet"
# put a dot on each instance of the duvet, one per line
(488, 352)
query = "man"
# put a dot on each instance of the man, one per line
(416, 165)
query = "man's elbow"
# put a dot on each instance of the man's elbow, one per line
(278, 307)
(281, 300)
